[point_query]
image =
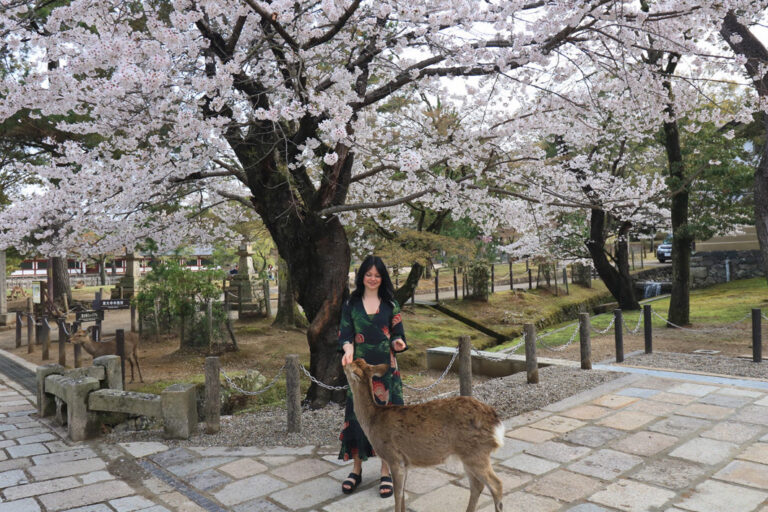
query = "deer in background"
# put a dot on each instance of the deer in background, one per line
(82, 337)
(427, 434)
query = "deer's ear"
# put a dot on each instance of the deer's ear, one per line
(379, 370)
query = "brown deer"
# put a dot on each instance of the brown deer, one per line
(82, 337)
(427, 434)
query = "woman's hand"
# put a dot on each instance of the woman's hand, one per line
(349, 354)
(398, 345)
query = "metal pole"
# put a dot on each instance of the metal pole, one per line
(757, 342)
(530, 278)
(531, 365)
(465, 366)
(293, 392)
(584, 341)
(212, 395)
(648, 329)
(618, 329)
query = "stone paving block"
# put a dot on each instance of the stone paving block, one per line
(100, 507)
(96, 476)
(198, 465)
(745, 473)
(713, 496)
(131, 503)
(25, 505)
(230, 451)
(26, 450)
(752, 414)
(693, 389)
(38, 438)
(638, 392)
(362, 499)
(87, 495)
(290, 450)
(705, 411)
(11, 478)
(371, 469)
(680, 426)
(587, 412)
(307, 494)
(606, 464)
(139, 450)
(208, 479)
(733, 402)
(558, 452)
(668, 472)
(449, 497)
(632, 496)
(180, 503)
(645, 443)
(302, 469)
(260, 505)
(564, 485)
(653, 408)
(740, 392)
(627, 420)
(155, 508)
(174, 456)
(242, 468)
(614, 401)
(525, 418)
(248, 489)
(511, 447)
(524, 502)
(74, 467)
(79, 453)
(558, 424)
(59, 446)
(277, 460)
(757, 452)
(424, 480)
(531, 435)
(530, 464)
(762, 402)
(732, 431)
(588, 507)
(28, 490)
(24, 432)
(705, 451)
(156, 486)
(10, 464)
(592, 436)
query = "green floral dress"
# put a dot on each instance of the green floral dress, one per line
(372, 337)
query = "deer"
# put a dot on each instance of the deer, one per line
(82, 337)
(427, 434)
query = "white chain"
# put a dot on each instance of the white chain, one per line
(764, 317)
(252, 393)
(321, 384)
(514, 348)
(558, 348)
(613, 319)
(714, 329)
(637, 326)
(445, 372)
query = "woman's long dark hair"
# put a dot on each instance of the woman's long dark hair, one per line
(386, 290)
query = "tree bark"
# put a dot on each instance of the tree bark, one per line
(404, 293)
(288, 314)
(61, 279)
(103, 270)
(757, 55)
(617, 280)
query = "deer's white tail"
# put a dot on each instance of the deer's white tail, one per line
(498, 435)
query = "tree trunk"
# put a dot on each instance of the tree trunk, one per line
(288, 314)
(404, 293)
(61, 280)
(682, 238)
(103, 270)
(617, 280)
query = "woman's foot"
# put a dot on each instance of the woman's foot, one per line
(349, 485)
(386, 489)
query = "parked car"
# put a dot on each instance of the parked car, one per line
(664, 251)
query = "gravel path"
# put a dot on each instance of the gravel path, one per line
(733, 366)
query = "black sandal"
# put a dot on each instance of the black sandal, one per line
(349, 485)
(386, 489)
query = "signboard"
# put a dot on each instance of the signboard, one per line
(89, 316)
(36, 292)
(111, 304)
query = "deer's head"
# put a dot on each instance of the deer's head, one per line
(80, 336)
(359, 371)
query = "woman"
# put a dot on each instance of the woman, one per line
(371, 328)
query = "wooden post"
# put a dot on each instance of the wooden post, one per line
(554, 267)
(455, 285)
(267, 300)
(465, 366)
(531, 365)
(565, 281)
(212, 395)
(133, 317)
(618, 329)
(78, 358)
(209, 320)
(293, 392)
(413, 297)
(30, 326)
(642, 256)
(648, 328)
(757, 342)
(511, 277)
(437, 285)
(120, 346)
(96, 333)
(530, 278)
(493, 276)
(62, 342)
(19, 321)
(584, 341)
(463, 284)
(45, 335)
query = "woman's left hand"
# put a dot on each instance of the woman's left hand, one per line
(398, 345)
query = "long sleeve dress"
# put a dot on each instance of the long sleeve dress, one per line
(372, 337)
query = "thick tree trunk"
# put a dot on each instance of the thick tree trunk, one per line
(61, 280)
(103, 270)
(682, 238)
(761, 199)
(288, 314)
(617, 280)
(404, 293)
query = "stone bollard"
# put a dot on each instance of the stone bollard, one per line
(81, 423)
(112, 371)
(179, 411)
(46, 404)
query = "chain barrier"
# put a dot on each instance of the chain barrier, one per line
(558, 348)
(714, 329)
(515, 347)
(763, 315)
(610, 324)
(321, 384)
(445, 372)
(252, 393)
(637, 326)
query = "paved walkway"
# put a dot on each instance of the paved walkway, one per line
(641, 442)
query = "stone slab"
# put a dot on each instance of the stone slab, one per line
(586, 412)
(669, 472)
(208, 480)
(442, 499)
(142, 449)
(557, 452)
(752, 414)
(229, 451)
(12, 478)
(86, 495)
(705, 411)
(242, 468)
(198, 465)
(78, 453)
(511, 447)
(564, 485)
(692, 389)
(614, 401)
(713, 496)
(632, 496)
(521, 501)
(25, 505)
(681, 426)
(248, 489)
(745, 473)
(757, 452)
(626, 420)
(653, 408)
(558, 424)
(425, 480)
(705, 451)
(26, 450)
(34, 489)
(131, 503)
(733, 402)
(592, 436)
(302, 469)
(645, 443)
(531, 435)
(363, 499)
(732, 431)
(673, 398)
(606, 464)
(74, 467)
(307, 494)
(638, 392)
(530, 464)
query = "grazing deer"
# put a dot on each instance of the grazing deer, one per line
(427, 434)
(82, 337)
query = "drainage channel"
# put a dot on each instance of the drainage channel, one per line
(184, 489)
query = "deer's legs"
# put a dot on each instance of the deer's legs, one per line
(130, 361)
(136, 358)
(482, 471)
(475, 488)
(398, 471)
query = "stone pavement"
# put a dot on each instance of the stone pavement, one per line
(638, 443)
